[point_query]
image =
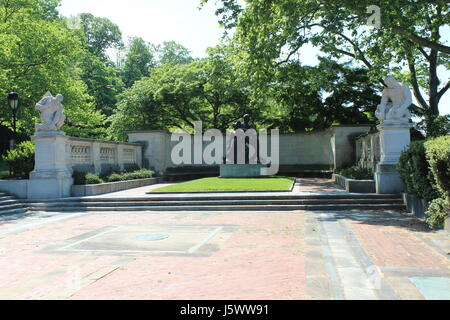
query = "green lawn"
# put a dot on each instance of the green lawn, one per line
(231, 184)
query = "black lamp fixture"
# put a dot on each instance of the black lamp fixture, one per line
(13, 99)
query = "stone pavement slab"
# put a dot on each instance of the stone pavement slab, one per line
(222, 255)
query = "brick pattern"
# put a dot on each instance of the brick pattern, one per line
(391, 246)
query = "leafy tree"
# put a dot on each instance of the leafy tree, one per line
(304, 98)
(138, 61)
(36, 55)
(173, 53)
(175, 96)
(101, 34)
(271, 33)
(103, 81)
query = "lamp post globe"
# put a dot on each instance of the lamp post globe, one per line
(13, 99)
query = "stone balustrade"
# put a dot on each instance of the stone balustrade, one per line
(368, 150)
(97, 155)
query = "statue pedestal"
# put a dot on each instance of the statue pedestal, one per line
(51, 178)
(394, 138)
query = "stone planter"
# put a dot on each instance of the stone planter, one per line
(354, 186)
(96, 189)
(415, 205)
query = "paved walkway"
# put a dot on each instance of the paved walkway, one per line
(222, 255)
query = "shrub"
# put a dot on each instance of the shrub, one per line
(109, 170)
(92, 178)
(130, 167)
(115, 177)
(415, 172)
(357, 172)
(82, 178)
(20, 160)
(438, 156)
(79, 178)
(437, 212)
(138, 174)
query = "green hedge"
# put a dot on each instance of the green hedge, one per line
(438, 156)
(20, 160)
(425, 169)
(81, 178)
(357, 172)
(415, 172)
(437, 212)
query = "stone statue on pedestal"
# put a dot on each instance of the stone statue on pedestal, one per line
(52, 116)
(394, 134)
(52, 175)
(395, 102)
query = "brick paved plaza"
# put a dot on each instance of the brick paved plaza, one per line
(222, 255)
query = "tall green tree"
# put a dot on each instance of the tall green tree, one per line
(101, 76)
(101, 34)
(103, 81)
(170, 52)
(37, 52)
(138, 61)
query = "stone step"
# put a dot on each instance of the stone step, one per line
(218, 202)
(6, 197)
(12, 211)
(332, 207)
(9, 201)
(214, 197)
(11, 206)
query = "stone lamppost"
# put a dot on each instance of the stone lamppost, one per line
(394, 134)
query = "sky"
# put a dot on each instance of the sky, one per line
(157, 20)
(179, 20)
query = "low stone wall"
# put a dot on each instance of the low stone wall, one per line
(89, 155)
(17, 188)
(355, 186)
(415, 205)
(332, 148)
(96, 189)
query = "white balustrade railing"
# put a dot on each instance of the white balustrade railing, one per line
(368, 150)
(97, 155)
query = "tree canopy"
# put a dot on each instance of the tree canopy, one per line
(36, 54)
(409, 41)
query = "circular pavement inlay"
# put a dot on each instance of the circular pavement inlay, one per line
(151, 237)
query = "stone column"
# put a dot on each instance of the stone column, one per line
(394, 138)
(51, 177)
